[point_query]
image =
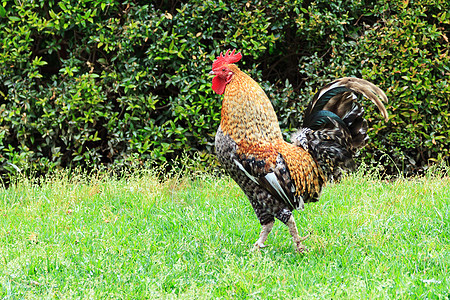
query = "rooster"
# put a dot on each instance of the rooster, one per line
(276, 176)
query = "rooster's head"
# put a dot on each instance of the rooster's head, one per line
(221, 70)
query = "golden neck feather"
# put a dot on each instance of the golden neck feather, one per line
(247, 113)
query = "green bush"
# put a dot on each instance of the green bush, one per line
(411, 61)
(89, 82)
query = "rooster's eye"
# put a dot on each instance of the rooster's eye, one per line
(223, 70)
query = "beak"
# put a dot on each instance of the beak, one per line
(212, 73)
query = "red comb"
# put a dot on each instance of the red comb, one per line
(228, 58)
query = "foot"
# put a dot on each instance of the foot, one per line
(301, 249)
(263, 235)
(258, 245)
(297, 239)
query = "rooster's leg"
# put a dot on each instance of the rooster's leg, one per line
(263, 235)
(297, 239)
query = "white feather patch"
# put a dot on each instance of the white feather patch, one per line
(273, 181)
(301, 204)
(245, 171)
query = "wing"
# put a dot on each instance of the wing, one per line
(287, 172)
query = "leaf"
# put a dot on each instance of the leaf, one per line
(2, 12)
(52, 14)
(62, 5)
(14, 19)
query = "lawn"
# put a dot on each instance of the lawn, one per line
(190, 237)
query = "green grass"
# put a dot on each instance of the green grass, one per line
(137, 237)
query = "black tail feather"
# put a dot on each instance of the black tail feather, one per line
(334, 127)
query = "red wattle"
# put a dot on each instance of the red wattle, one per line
(218, 85)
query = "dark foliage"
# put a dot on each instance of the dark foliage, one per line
(92, 82)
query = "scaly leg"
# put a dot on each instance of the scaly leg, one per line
(297, 239)
(263, 235)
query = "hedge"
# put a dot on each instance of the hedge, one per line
(109, 83)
